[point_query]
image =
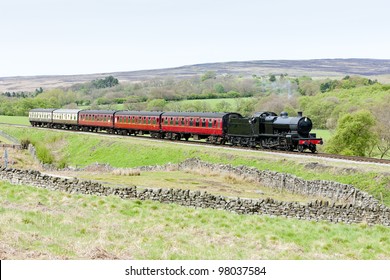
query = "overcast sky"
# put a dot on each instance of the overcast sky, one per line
(48, 37)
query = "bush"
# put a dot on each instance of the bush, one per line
(354, 134)
(44, 155)
(24, 143)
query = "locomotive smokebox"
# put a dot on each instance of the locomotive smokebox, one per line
(300, 114)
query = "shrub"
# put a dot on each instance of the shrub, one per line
(44, 155)
(24, 143)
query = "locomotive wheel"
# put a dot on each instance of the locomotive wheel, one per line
(244, 142)
(300, 148)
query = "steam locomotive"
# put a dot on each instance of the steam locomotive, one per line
(263, 129)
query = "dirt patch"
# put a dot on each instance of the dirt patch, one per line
(101, 254)
(10, 253)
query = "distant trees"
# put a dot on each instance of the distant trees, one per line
(219, 88)
(157, 105)
(38, 90)
(272, 78)
(208, 75)
(107, 82)
(223, 106)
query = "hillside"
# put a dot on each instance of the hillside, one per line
(377, 68)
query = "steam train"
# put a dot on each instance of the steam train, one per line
(263, 129)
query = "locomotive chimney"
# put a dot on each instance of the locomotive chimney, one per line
(299, 114)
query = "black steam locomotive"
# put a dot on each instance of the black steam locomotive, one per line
(270, 131)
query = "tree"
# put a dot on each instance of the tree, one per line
(208, 75)
(246, 107)
(354, 134)
(219, 88)
(109, 81)
(223, 106)
(157, 104)
(382, 114)
(272, 78)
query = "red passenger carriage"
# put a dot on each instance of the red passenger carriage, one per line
(211, 126)
(137, 122)
(96, 120)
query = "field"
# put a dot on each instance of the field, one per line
(39, 224)
(14, 120)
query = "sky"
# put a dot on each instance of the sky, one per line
(64, 37)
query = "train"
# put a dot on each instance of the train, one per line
(264, 129)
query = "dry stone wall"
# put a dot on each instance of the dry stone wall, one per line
(364, 209)
(328, 190)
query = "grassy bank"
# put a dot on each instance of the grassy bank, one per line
(41, 224)
(14, 120)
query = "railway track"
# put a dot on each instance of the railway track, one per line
(308, 154)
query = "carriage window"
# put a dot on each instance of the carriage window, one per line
(197, 122)
(191, 122)
(210, 123)
(215, 123)
(177, 121)
(165, 120)
(182, 121)
(203, 123)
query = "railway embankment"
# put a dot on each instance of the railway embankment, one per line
(341, 203)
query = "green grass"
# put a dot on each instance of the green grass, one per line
(40, 224)
(323, 133)
(81, 150)
(14, 120)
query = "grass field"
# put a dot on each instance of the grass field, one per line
(323, 133)
(14, 120)
(41, 224)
